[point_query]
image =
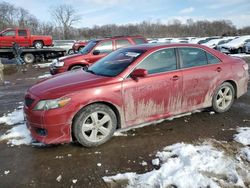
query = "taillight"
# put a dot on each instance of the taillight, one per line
(246, 67)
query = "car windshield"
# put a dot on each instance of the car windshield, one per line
(116, 62)
(88, 47)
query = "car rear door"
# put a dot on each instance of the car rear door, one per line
(202, 73)
(157, 95)
(23, 39)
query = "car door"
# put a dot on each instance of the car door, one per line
(201, 75)
(157, 95)
(7, 38)
(23, 39)
(102, 49)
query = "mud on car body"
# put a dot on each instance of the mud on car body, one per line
(132, 86)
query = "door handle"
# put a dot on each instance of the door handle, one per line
(219, 69)
(174, 78)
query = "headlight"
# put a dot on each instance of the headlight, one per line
(52, 104)
(56, 63)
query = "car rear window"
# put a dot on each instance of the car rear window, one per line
(212, 59)
(191, 57)
(139, 40)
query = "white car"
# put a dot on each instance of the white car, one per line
(215, 42)
(236, 45)
(65, 44)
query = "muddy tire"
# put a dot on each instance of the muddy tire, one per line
(38, 44)
(223, 98)
(94, 125)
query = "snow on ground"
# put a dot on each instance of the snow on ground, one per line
(47, 75)
(187, 165)
(19, 134)
(43, 65)
(243, 136)
(240, 55)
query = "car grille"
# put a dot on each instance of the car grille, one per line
(29, 101)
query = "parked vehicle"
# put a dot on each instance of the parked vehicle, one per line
(202, 40)
(215, 42)
(23, 38)
(236, 45)
(65, 44)
(247, 48)
(95, 50)
(131, 86)
(79, 45)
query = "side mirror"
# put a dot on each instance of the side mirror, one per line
(96, 52)
(139, 73)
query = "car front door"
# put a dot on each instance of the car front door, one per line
(7, 38)
(102, 49)
(201, 75)
(23, 39)
(157, 95)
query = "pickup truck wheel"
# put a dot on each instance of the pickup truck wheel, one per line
(94, 125)
(29, 58)
(38, 44)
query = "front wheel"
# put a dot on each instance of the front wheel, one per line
(223, 98)
(94, 125)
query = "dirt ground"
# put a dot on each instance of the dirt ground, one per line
(32, 166)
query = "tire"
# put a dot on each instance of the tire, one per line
(29, 58)
(74, 67)
(94, 125)
(71, 51)
(223, 98)
(38, 44)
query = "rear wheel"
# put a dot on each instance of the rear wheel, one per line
(223, 98)
(94, 125)
(29, 58)
(38, 44)
(71, 51)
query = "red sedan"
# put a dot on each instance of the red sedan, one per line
(132, 86)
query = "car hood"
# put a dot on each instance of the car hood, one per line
(74, 57)
(63, 84)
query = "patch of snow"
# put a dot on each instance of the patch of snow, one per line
(99, 164)
(69, 155)
(144, 163)
(240, 55)
(245, 153)
(211, 112)
(13, 118)
(186, 165)
(119, 133)
(45, 76)
(59, 178)
(156, 162)
(17, 135)
(243, 135)
(74, 181)
(6, 172)
(43, 65)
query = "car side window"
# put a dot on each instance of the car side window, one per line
(160, 61)
(104, 47)
(192, 57)
(139, 41)
(122, 43)
(22, 33)
(212, 59)
(9, 33)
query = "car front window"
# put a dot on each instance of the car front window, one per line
(88, 47)
(116, 62)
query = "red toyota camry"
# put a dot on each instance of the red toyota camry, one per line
(132, 86)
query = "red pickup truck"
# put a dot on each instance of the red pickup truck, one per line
(23, 38)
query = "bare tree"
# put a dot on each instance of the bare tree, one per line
(65, 16)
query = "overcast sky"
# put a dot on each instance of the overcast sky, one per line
(100, 12)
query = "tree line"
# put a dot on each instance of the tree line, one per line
(65, 16)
